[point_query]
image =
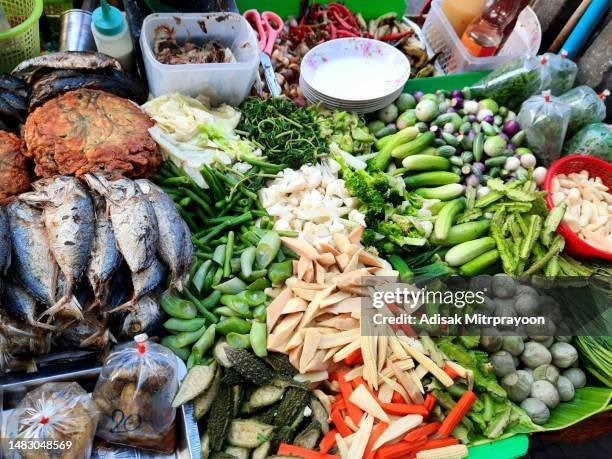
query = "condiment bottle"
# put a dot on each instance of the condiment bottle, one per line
(112, 35)
(485, 33)
(461, 12)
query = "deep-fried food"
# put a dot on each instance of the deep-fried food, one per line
(14, 176)
(86, 131)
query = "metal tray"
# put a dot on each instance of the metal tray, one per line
(14, 387)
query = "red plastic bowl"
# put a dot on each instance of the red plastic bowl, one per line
(596, 167)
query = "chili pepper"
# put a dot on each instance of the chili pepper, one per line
(236, 304)
(257, 338)
(181, 325)
(259, 284)
(395, 36)
(346, 34)
(211, 300)
(267, 248)
(246, 261)
(224, 311)
(204, 343)
(177, 307)
(233, 325)
(259, 313)
(200, 275)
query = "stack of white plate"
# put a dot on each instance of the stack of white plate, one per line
(354, 74)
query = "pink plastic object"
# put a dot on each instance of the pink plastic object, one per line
(268, 25)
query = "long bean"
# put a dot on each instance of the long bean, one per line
(198, 304)
(227, 224)
(203, 204)
(229, 251)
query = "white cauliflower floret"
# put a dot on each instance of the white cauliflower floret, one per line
(336, 188)
(282, 225)
(297, 224)
(357, 217)
(242, 167)
(351, 202)
(427, 227)
(269, 196)
(292, 181)
(279, 210)
(336, 226)
(312, 176)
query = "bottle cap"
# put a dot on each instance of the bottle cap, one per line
(546, 95)
(141, 342)
(107, 19)
(604, 94)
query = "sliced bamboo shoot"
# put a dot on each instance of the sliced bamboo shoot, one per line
(339, 339)
(364, 400)
(398, 429)
(275, 308)
(429, 364)
(362, 436)
(311, 344)
(295, 305)
(355, 235)
(447, 452)
(300, 246)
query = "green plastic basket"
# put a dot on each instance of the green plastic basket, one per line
(370, 9)
(56, 7)
(22, 41)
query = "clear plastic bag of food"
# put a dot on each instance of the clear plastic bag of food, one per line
(514, 81)
(134, 394)
(562, 72)
(593, 139)
(587, 106)
(54, 421)
(544, 119)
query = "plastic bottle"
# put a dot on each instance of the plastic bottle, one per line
(485, 33)
(461, 12)
(112, 35)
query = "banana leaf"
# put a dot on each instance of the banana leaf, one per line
(587, 402)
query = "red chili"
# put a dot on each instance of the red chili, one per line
(346, 34)
(339, 7)
(395, 36)
(332, 30)
(342, 22)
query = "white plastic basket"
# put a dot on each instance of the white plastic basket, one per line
(454, 58)
(221, 83)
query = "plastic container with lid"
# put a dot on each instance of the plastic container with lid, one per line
(112, 35)
(222, 83)
(454, 58)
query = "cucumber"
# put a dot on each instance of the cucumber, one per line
(198, 379)
(446, 216)
(248, 433)
(446, 151)
(425, 163)
(408, 118)
(437, 207)
(413, 146)
(237, 452)
(450, 139)
(443, 193)
(479, 264)
(382, 159)
(309, 437)
(467, 251)
(462, 233)
(431, 179)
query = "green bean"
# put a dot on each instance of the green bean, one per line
(219, 255)
(250, 238)
(198, 244)
(229, 250)
(227, 224)
(290, 253)
(204, 255)
(259, 213)
(204, 343)
(200, 275)
(183, 325)
(183, 353)
(257, 339)
(175, 169)
(233, 325)
(176, 181)
(238, 341)
(259, 284)
(162, 173)
(184, 338)
(288, 233)
(246, 261)
(212, 183)
(221, 240)
(194, 267)
(188, 219)
(263, 165)
(281, 271)
(259, 313)
(268, 247)
(177, 307)
(201, 215)
(200, 307)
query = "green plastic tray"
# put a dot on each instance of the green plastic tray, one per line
(448, 82)
(508, 448)
(370, 9)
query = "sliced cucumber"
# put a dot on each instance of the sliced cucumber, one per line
(248, 433)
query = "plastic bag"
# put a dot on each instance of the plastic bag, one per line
(562, 72)
(514, 81)
(587, 107)
(544, 119)
(593, 139)
(55, 412)
(134, 393)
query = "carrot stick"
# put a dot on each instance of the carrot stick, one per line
(353, 410)
(377, 431)
(422, 432)
(449, 371)
(339, 404)
(396, 450)
(291, 450)
(398, 398)
(456, 414)
(341, 426)
(354, 358)
(430, 401)
(401, 409)
(328, 441)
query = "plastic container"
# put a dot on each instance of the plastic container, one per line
(454, 58)
(22, 41)
(221, 83)
(595, 167)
